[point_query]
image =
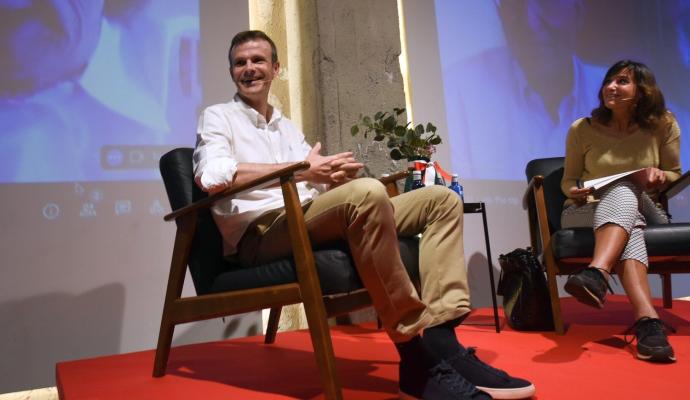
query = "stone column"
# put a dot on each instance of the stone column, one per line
(339, 59)
(359, 73)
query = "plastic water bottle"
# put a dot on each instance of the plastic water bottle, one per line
(457, 187)
(412, 165)
(417, 180)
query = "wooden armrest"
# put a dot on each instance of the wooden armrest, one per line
(535, 182)
(390, 182)
(260, 182)
(676, 186)
(394, 177)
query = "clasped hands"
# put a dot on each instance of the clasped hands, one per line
(334, 169)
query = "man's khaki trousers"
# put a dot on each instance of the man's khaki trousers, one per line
(361, 213)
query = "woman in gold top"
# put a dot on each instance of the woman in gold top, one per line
(630, 130)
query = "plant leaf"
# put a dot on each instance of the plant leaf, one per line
(399, 131)
(389, 123)
(396, 154)
(435, 140)
(354, 130)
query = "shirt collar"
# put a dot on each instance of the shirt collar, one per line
(257, 119)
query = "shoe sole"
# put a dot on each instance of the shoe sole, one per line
(583, 295)
(513, 393)
(658, 355)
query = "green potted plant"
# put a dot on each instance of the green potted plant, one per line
(415, 144)
(402, 139)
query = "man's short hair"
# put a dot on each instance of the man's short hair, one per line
(247, 36)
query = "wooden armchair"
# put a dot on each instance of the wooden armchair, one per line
(564, 251)
(324, 280)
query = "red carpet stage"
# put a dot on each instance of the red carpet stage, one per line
(591, 361)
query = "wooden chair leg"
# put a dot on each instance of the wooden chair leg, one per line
(558, 324)
(323, 349)
(163, 349)
(272, 327)
(559, 327)
(310, 289)
(178, 268)
(667, 291)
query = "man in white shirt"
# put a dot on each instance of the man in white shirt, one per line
(247, 137)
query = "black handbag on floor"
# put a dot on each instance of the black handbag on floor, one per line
(522, 284)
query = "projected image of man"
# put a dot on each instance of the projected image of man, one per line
(674, 61)
(68, 87)
(515, 101)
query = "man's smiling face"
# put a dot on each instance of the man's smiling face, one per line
(253, 70)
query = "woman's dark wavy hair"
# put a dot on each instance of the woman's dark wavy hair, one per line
(650, 109)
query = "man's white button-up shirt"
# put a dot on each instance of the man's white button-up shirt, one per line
(233, 133)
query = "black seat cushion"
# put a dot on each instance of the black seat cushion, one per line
(211, 273)
(335, 268)
(662, 240)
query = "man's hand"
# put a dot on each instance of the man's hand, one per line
(345, 169)
(649, 178)
(334, 169)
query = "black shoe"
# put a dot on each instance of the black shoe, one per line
(442, 383)
(495, 382)
(652, 344)
(588, 286)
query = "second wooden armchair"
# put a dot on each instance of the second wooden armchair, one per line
(564, 251)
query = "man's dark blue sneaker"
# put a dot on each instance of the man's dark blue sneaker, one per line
(442, 382)
(493, 381)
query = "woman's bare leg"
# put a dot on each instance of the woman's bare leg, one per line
(635, 282)
(589, 285)
(609, 242)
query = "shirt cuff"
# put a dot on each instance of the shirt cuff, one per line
(218, 173)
